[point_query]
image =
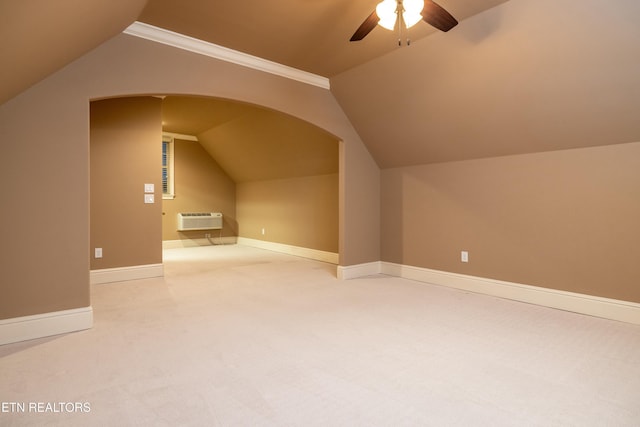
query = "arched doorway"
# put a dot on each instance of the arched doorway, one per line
(273, 177)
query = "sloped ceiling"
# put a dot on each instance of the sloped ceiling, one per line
(527, 76)
(310, 35)
(38, 38)
(514, 77)
(252, 143)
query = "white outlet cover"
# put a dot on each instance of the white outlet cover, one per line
(464, 256)
(149, 198)
(149, 188)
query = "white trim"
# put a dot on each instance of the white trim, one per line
(120, 274)
(44, 325)
(330, 257)
(170, 38)
(180, 136)
(360, 270)
(607, 308)
(191, 243)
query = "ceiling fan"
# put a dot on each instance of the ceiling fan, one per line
(409, 13)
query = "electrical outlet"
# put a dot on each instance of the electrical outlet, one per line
(98, 253)
(464, 256)
(263, 231)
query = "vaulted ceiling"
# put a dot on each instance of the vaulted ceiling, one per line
(527, 76)
(40, 37)
(310, 35)
(513, 77)
(252, 143)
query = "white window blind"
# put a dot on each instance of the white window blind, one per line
(167, 168)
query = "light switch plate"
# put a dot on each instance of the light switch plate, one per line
(149, 198)
(149, 188)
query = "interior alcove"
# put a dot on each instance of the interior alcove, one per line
(282, 171)
(273, 176)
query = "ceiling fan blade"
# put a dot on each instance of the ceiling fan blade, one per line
(366, 27)
(433, 14)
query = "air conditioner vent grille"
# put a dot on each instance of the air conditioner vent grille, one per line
(188, 221)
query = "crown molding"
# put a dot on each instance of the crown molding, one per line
(180, 41)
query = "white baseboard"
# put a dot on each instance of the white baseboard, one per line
(44, 325)
(109, 275)
(191, 243)
(315, 254)
(607, 308)
(623, 311)
(359, 270)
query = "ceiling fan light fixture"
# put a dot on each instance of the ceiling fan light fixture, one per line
(412, 12)
(409, 13)
(387, 12)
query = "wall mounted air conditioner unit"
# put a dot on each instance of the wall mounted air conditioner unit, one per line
(188, 221)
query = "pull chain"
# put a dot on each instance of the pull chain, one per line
(401, 24)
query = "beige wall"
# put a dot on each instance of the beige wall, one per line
(126, 153)
(44, 219)
(297, 211)
(46, 146)
(565, 220)
(200, 186)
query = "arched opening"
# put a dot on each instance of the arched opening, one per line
(273, 177)
(284, 172)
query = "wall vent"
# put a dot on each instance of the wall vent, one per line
(199, 221)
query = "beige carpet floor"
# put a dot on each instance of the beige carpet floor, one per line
(236, 336)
